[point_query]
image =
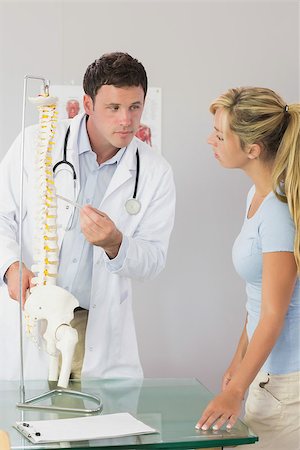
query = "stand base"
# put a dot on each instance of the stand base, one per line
(28, 404)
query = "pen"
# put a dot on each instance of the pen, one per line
(69, 201)
(77, 205)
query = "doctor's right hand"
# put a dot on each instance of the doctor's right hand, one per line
(100, 230)
(12, 277)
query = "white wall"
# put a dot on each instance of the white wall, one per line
(189, 319)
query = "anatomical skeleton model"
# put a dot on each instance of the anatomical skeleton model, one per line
(47, 302)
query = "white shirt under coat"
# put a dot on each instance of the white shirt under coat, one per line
(76, 253)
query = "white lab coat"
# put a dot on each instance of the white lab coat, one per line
(111, 347)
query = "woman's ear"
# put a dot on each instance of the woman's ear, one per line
(254, 151)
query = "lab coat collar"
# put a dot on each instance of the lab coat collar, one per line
(125, 169)
(74, 130)
(83, 140)
(72, 146)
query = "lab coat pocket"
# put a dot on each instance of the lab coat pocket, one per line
(24, 215)
(123, 296)
(124, 289)
(65, 214)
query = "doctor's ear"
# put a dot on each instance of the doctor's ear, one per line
(254, 151)
(88, 104)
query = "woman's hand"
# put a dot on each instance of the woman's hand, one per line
(225, 407)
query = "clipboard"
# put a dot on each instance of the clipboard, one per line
(83, 428)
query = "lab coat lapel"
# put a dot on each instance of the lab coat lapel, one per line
(65, 212)
(124, 170)
(73, 151)
(72, 156)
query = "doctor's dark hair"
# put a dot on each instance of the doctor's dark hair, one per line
(117, 69)
(260, 116)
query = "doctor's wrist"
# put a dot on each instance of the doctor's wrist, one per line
(113, 248)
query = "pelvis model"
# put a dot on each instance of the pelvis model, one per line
(47, 302)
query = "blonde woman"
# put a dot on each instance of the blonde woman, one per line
(256, 131)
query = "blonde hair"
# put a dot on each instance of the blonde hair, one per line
(260, 116)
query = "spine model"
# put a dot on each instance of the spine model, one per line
(46, 250)
(47, 301)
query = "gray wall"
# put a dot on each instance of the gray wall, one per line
(189, 319)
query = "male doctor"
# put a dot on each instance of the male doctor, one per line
(105, 245)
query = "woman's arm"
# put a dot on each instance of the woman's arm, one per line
(237, 358)
(278, 282)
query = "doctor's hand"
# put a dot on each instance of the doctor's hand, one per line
(100, 230)
(225, 407)
(12, 277)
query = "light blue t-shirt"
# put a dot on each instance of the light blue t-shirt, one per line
(271, 229)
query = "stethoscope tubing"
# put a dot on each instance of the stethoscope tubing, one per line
(65, 161)
(137, 175)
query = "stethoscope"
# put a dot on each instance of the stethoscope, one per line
(132, 205)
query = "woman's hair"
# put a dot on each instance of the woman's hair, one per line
(260, 116)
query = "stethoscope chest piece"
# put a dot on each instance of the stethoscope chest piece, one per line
(132, 206)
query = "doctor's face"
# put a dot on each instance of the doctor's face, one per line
(115, 114)
(226, 144)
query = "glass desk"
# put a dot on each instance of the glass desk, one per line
(171, 406)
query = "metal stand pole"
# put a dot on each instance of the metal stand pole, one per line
(28, 403)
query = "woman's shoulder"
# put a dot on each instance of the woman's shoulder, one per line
(276, 227)
(276, 220)
(274, 208)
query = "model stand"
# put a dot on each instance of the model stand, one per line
(46, 297)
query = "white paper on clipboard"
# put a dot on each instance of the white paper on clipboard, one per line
(83, 428)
